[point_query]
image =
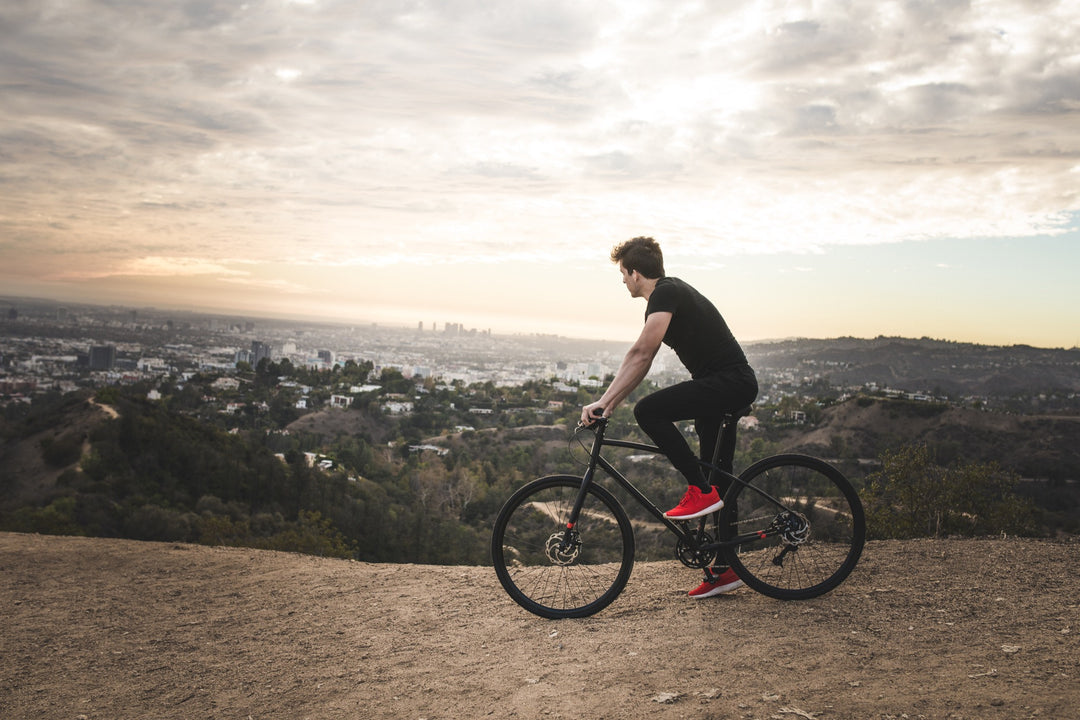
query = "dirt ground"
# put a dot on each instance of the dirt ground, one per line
(923, 629)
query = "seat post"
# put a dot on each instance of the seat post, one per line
(724, 451)
(724, 458)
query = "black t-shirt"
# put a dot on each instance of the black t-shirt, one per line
(698, 333)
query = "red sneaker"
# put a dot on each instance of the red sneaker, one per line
(695, 504)
(725, 582)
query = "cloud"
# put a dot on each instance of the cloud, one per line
(257, 130)
(157, 267)
(277, 286)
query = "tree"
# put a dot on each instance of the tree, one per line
(911, 496)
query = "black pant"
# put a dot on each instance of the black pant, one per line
(703, 400)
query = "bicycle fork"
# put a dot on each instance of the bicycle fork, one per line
(586, 481)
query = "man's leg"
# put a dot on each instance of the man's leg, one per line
(717, 578)
(708, 432)
(657, 414)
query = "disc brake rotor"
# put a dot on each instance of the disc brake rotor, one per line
(561, 550)
(794, 528)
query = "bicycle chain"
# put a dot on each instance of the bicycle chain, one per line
(773, 526)
(754, 520)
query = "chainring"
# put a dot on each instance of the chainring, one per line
(696, 558)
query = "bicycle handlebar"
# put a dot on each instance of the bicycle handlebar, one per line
(596, 419)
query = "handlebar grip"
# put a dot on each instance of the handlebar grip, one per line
(595, 418)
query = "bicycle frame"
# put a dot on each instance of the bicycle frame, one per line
(597, 460)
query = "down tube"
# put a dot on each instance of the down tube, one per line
(626, 485)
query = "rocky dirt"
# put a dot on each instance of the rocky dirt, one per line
(97, 628)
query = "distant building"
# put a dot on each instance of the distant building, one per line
(340, 401)
(152, 365)
(355, 389)
(226, 383)
(259, 350)
(102, 357)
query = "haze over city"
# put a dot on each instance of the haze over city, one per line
(818, 169)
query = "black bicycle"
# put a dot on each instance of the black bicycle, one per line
(792, 527)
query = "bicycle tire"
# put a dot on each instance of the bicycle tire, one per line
(807, 553)
(572, 582)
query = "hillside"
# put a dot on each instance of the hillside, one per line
(25, 470)
(937, 366)
(923, 629)
(160, 475)
(1032, 445)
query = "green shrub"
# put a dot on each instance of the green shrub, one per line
(62, 450)
(913, 497)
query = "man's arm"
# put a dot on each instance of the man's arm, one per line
(635, 366)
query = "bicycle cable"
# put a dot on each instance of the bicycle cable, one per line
(574, 438)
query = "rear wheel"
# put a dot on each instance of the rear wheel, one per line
(555, 571)
(811, 524)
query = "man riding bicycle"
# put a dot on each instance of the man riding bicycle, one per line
(721, 381)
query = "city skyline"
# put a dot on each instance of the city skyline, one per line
(817, 169)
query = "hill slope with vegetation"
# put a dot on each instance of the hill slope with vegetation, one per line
(424, 486)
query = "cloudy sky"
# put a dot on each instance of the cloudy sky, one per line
(817, 168)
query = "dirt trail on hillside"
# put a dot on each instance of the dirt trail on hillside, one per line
(924, 629)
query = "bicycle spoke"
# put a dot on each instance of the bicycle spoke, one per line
(555, 572)
(812, 539)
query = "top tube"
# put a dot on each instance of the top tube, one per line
(600, 428)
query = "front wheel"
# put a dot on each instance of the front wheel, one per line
(555, 571)
(809, 524)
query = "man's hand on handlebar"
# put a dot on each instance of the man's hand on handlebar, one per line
(591, 413)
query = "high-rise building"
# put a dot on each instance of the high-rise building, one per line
(259, 350)
(102, 357)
